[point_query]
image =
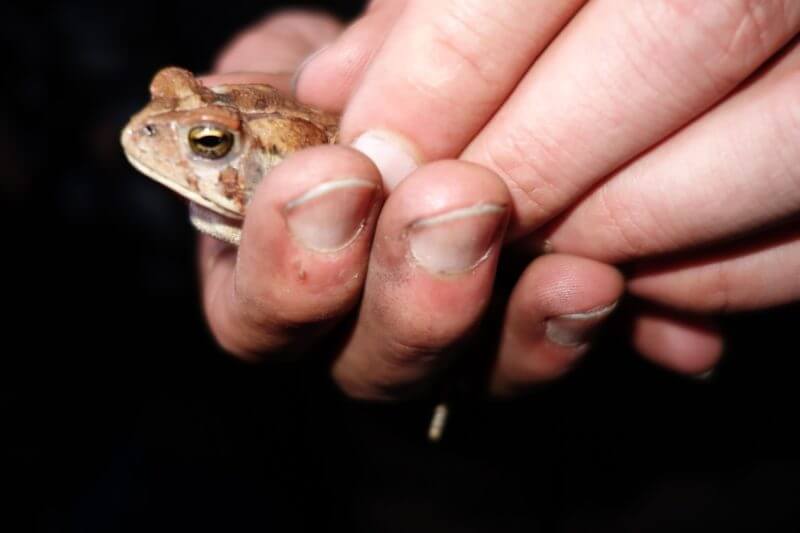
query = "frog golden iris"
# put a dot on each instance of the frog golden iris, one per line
(210, 141)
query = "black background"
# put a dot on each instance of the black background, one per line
(122, 415)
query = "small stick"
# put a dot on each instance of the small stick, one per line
(438, 422)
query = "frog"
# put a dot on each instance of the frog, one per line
(213, 145)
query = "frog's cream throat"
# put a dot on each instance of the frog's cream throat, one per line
(188, 194)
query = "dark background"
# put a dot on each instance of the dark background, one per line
(122, 415)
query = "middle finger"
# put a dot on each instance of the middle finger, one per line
(621, 77)
(732, 172)
(429, 279)
(439, 76)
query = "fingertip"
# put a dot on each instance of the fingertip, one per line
(560, 284)
(447, 217)
(450, 182)
(429, 280)
(314, 213)
(395, 156)
(289, 35)
(311, 98)
(328, 77)
(554, 311)
(303, 255)
(683, 344)
(574, 330)
(303, 170)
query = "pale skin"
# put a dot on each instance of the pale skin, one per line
(658, 155)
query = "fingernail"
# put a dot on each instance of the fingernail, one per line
(576, 329)
(708, 375)
(393, 155)
(542, 247)
(331, 215)
(303, 65)
(456, 241)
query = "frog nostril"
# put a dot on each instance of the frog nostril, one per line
(149, 130)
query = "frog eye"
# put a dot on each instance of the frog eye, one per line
(211, 142)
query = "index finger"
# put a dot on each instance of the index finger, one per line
(441, 73)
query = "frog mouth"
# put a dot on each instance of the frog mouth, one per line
(192, 196)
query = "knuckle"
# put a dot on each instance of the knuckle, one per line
(404, 356)
(375, 388)
(455, 54)
(526, 160)
(721, 290)
(457, 44)
(632, 228)
(285, 303)
(784, 115)
(226, 338)
(228, 331)
(543, 367)
(741, 36)
(531, 366)
(262, 312)
(413, 333)
(415, 350)
(388, 374)
(713, 292)
(252, 330)
(358, 389)
(727, 38)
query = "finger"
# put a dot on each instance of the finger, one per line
(303, 255)
(734, 171)
(440, 74)
(621, 77)
(556, 305)
(688, 345)
(326, 79)
(278, 43)
(746, 277)
(430, 276)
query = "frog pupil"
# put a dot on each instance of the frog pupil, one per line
(210, 141)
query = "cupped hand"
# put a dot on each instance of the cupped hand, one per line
(394, 288)
(660, 133)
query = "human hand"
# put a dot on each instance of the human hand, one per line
(396, 312)
(647, 126)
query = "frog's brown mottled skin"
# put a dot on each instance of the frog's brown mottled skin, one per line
(266, 126)
(233, 186)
